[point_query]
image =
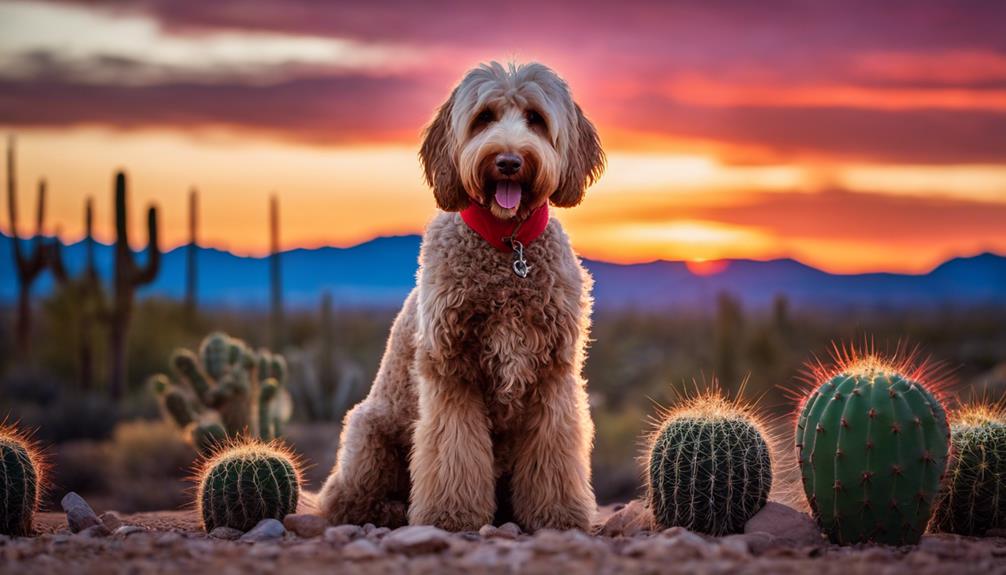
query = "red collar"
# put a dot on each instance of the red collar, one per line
(496, 231)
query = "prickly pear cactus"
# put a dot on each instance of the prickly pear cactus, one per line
(710, 467)
(225, 391)
(244, 484)
(872, 447)
(973, 499)
(22, 479)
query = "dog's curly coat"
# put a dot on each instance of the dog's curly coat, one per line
(479, 411)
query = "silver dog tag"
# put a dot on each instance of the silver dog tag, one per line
(520, 265)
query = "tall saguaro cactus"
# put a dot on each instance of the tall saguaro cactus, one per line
(275, 276)
(30, 263)
(89, 295)
(192, 252)
(128, 276)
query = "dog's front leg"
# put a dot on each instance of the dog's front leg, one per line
(551, 479)
(453, 485)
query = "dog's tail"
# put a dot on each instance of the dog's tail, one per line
(308, 502)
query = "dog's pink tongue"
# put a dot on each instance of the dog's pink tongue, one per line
(507, 194)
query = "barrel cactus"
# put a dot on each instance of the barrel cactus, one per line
(710, 466)
(245, 483)
(872, 442)
(225, 391)
(973, 499)
(23, 471)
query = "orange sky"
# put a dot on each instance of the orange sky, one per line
(729, 133)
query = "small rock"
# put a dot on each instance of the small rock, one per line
(487, 530)
(168, 539)
(378, 534)
(98, 530)
(628, 520)
(757, 542)
(785, 524)
(468, 536)
(79, 515)
(111, 520)
(416, 540)
(508, 531)
(305, 525)
(368, 527)
(342, 534)
(735, 547)
(267, 530)
(226, 533)
(361, 549)
(127, 530)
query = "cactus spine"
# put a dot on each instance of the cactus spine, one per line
(710, 467)
(973, 499)
(243, 485)
(29, 265)
(128, 276)
(225, 391)
(21, 469)
(872, 447)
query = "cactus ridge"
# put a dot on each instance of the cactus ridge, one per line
(22, 476)
(710, 473)
(245, 484)
(224, 391)
(973, 499)
(872, 447)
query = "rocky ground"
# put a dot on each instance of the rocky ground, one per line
(778, 540)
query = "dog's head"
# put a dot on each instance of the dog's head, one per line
(510, 138)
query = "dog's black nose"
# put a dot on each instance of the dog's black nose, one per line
(508, 164)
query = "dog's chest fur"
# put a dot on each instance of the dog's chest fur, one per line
(512, 325)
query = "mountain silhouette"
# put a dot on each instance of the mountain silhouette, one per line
(380, 273)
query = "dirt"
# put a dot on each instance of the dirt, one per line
(172, 542)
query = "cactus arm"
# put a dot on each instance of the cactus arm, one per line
(267, 394)
(186, 366)
(147, 274)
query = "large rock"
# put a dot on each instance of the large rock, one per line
(786, 525)
(79, 515)
(266, 530)
(416, 540)
(305, 525)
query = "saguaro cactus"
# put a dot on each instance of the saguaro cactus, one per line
(973, 499)
(28, 263)
(872, 445)
(192, 254)
(242, 485)
(23, 474)
(226, 391)
(710, 466)
(88, 293)
(128, 276)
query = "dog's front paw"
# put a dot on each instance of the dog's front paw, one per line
(450, 520)
(559, 517)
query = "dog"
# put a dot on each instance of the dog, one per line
(478, 412)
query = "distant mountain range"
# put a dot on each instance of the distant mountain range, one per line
(381, 272)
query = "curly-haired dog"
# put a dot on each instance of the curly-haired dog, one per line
(479, 410)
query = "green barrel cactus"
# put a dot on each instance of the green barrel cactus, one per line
(872, 447)
(225, 391)
(22, 473)
(973, 499)
(710, 467)
(244, 484)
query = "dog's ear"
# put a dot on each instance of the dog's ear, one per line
(439, 165)
(584, 165)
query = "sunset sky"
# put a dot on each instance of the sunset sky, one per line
(851, 135)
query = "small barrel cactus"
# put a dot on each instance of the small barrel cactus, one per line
(872, 444)
(710, 466)
(973, 499)
(22, 473)
(245, 483)
(225, 391)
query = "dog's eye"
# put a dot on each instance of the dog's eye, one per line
(534, 118)
(484, 117)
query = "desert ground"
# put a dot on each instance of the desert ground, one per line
(778, 540)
